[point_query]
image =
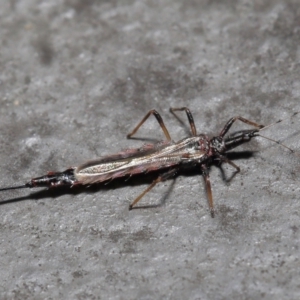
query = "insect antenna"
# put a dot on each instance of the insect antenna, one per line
(272, 124)
(279, 121)
(277, 142)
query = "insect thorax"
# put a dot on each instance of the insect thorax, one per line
(203, 143)
(217, 143)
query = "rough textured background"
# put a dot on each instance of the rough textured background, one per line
(76, 76)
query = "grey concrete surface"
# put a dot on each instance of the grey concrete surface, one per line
(76, 76)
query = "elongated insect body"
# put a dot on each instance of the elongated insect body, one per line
(197, 151)
(164, 155)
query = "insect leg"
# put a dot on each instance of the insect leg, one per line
(232, 120)
(206, 177)
(226, 160)
(159, 120)
(162, 177)
(189, 115)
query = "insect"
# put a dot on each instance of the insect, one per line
(197, 151)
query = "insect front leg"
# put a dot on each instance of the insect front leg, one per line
(189, 116)
(159, 120)
(162, 177)
(206, 177)
(226, 160)
(232, 120)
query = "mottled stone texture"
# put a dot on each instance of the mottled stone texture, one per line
(76, 77)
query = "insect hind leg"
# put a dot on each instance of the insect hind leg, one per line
(162, 177)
